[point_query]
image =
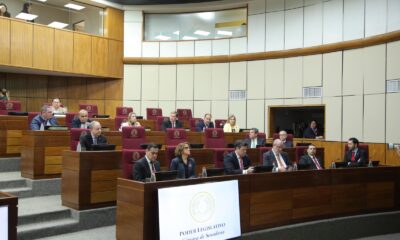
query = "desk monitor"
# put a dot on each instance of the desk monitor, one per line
(375, 163)
(144, 145)
(244, 130)
(260, 169)
(302, 144)
(139, 117)
(303, 166)
(340, 164)
(103, 147)
(211, 172)
(56, 128)
(18, 113)
(101, 116)
(166, 175)
(196, 145)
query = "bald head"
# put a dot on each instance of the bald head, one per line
(277, 145)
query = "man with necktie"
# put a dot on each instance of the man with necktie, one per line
(237, 162)
(312, 131)
(44, 118)
(92, 138)
(310, 159)
(253, 140)
(172, 122)
(355, 155)
(283, 137)
(82, 121)
(206, 123)
(277, 158)
(147, 165)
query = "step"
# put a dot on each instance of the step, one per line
(39, 205)
(4, 184)
(10, 164)
(20, 192)
(44, 216)
(102, 233)
(48, 228)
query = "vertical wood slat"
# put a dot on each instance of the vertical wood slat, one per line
(99, 56)
(43, 47)
(4, 41)
(21, 44)
(63, 55)
(82, 53)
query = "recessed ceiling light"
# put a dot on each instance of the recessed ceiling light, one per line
(188, 38)
(162, 37)
(202, 33)
(26, 16)
(74, 6)
(58, 25)
(42, 0)
(176, 32)
(226, 33)
(206, 15)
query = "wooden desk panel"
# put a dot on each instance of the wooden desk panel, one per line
(11, 201)
(11, 133)
(271, 199)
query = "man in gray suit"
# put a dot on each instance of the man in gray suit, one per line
(277, 158)
(253, 141)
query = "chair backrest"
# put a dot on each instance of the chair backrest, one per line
(31, 115)
(152, 113)
(214, 138)
(299, 151)
(118, 121)
(123, 111)
(133, 137)
(259, 135)
(193, 123)
(289, 137)
(9, 106)
(159, 122)
(169, 154)
(184, 113)
(219, 123)
(360, 146)
(68, 119)
(129, 157)
(175, 136)
(90, 108)
(219, 154)
(262, 151)
(76, 134)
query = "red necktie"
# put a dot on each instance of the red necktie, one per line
(316, 163)
(353, 156)
(241, 163)
(153, 168)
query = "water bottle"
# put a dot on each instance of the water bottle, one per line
(204, 172)
(333, 165)
(294, 166)
(153, 177)
(370, 164)
(275, 168)
(79, 147)
(41, 127)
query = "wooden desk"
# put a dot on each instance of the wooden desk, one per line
(89, 178)
(41, 152)
(271, 199)
(11, 202)
(149, 124)
(10, 134)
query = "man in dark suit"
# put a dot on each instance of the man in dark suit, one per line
(206, 123)
(147, 165)
(277, 158)
(311, 159)
(355, 155)
(253, 141)
(82, 121)
(312, 131)
(87, 140)
(173, 122)
(283, 138)
(44, 118)
(237, 162)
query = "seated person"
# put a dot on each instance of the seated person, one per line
(95, 137)
(183, 163)
(44, 118)
(206, 123)
(4, 11)
(312, 131)
(56, 105)
(398, 150)
(132, 121)
(355, 154)
(277, 158)
(311, 159)
(230, 125)
(82, 121)
(237, 162)
(4, 94)
(253, 139)
(172, 122)
(283, 138)
(147, 165)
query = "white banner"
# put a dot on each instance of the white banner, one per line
(207, 211)
(4, 223)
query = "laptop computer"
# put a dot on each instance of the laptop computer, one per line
(196, 145)
(303, 166)
(166, 175)
(211, 172)
(103, 147)
(260, 169)
(18, 113)
(101, 116)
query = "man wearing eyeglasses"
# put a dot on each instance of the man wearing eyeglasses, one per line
(44, 118)
(147, 165)
(82, 121)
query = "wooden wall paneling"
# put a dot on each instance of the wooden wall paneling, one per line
(16, 85)
(114, 24)
(114, 89)
(36, 86)
(4, 41)
(76, 88)
(115, 58)
(57, 87)
(73, 104)
(21, 43)
(111, 105)
(3, 80)
(377, 151)
(23, 102)
(392, 158)
(34, 104)
(95, 88)
(99, 56)
(82, 53)
(63, 51)
(43, 47)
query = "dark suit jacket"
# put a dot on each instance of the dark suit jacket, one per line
(269, 159)
(141, 171)
(260, 141)
(306, 160)
(200, 126)
(361, 156)
(309, 133)
(86, 141)
(168, 124)
(231, 163)
(38, 121)
(76, 122)
(288, 144)
(177, 164)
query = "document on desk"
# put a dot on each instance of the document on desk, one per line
(200, 211)
(4, 223)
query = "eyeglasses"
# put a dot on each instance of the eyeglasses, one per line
(84, 116)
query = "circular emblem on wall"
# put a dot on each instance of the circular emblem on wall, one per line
(202, 207)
